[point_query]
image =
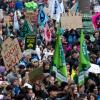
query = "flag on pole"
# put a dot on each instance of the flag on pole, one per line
(47, 33)
(16, 24)
(59, 64)
(84, 59)
(8, 31)
(75, 8)
(26, 29)
(42, 17)
(55, 10)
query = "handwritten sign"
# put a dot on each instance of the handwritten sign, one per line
(71, 22)
(30, 42)
(11, 52)
(32, 17)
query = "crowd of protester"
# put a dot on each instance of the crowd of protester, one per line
(15, 83)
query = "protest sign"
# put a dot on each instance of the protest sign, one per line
(32, 16)
(11, 52)
(36, 74)
(84, 6)
(30, 42)
(71, 22)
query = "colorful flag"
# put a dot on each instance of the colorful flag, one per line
(47, 33)
(84, 57)
(96, 21)
(55, 10)
(42, 17)
(16, 24)
(59, 64)
(26, 29)
(84, 60)
(8, 31)
(74, 9)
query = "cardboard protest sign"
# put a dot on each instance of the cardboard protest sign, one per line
(36, 74)
(30, 42)
(11, 52)
(71, 22)
(31, 16)
(1, 14)
(84, 6)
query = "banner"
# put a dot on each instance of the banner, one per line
(11, 52)
(32, 16)
(84, 6)
(26, 29)
(96, 21)
(59, 64)
(84, 59)
(71, 22)
(30, 42)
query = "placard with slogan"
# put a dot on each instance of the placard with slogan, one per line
(30, 42)
(71, 22)
(32, 16)
(11, 52)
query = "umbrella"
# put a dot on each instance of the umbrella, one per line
(94, 69)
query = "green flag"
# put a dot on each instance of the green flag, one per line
(26, 29)
(59, 64)
(84, 59)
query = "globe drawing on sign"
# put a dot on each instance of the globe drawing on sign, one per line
(30, 46)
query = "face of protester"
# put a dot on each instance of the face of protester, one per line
(75, 90)
(95, 90)
(92, 97)
(30, 93)
(52, 80)
(16, 82)
(40, 63)
(82, 89)
(35, 63)
(53, 93)
(68, 67)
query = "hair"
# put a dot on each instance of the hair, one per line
(92, 94)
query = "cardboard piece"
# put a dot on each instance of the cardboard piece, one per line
(11, 52)
(71, 22)
(36, 74)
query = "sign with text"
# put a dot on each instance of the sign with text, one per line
(11, 52)
(30, 42)
(71, 22)
(84, 6)
(32, 16)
